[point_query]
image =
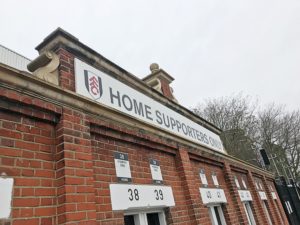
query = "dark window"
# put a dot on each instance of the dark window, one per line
(153, 219)
(129, 220)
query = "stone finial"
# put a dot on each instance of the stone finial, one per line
(45, 67)
(154, 67)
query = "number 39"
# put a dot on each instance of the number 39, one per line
(159, 195)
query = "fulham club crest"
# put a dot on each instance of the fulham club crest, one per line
(93, 84)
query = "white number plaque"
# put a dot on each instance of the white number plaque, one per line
(212, 195)
(274, 195)
(245, 195)
(129, 196)
(262, 195)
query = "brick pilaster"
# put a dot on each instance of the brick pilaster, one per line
(66, 74)
(74, 170)
(196, 209)
(273, 209)
(258, 210)
(235, 213)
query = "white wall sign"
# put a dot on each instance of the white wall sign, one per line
(237, 182)
(256, 185)
(155, 171)
(262, 195)
(212, 195)
(260, 186)
(203, 178)
(122, 167)
(96, 85)
(6, 187)
(129, 196)
(215, 179)
(271, 187)
(274, 196)
(245, 195)
(244, 183)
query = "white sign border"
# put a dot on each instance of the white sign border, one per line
(81, 66)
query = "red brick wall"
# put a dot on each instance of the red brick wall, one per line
(27, 155)
(62, 163)
(233, 209)
(275, 206)
(66, 69)
(76, 196)
(208, 170)
(105, 143)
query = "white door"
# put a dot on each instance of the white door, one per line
(216, 215)
(267, 212)
(145, 218)
(249, 213)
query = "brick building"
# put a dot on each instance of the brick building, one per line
(83, 141)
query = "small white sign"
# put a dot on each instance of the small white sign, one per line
(244, 183)
(256, 185)
(6, 187)
(260, 186)
(215, 179)
(262, 195)
(274, 196)
(237, 183)
(212, 195)
(155, 171)
(129, 196)
(245, 195)
(271, 187)
(122, 167)
(203, 178)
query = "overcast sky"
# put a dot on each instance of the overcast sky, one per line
(212, 48)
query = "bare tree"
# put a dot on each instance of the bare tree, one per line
(291, 141)
(245, 130)
(280, 135)
(235, 115)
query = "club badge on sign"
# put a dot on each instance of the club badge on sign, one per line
(93, 84)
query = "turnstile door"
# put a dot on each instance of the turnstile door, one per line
(153, 219)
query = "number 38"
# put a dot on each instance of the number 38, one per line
(133, 194)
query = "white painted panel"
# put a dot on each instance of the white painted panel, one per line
(96, 85)
(6, 187)
(130, 196)
(212, 195)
